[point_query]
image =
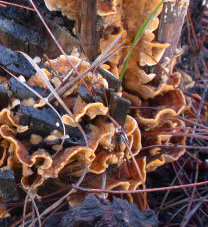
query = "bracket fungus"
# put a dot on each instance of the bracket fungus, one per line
(158, 155)
(44, 148)
(33, 149)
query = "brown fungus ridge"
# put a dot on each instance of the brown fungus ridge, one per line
(31, 181)
(135, 100)
(146, 91)
(134, 135)
(166, 155)
(63, 66)
(19, 156)
(7, 118)
(4, 146)
(15, 146)
(109, 35)
(74, 156)
(120, 17)
(106, 8)
(81, 108)
(71, 161)
(127, 21)
(111, 184)
(71, 8)
(127, 179)
(101, 134)
(96, 182)
(136, 13)
(158, 156)
(36, 80)
(103, 159)
(102, 140)
(162, 107)
(166, 83)
(130, 171)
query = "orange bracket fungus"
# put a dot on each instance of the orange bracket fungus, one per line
(44, 145)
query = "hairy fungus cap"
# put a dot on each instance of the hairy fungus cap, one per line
(158, 156)
(4, 146)
(147, 91)
(163, 106)
(71, 8)
(37, 80)
(101, 134)
(103, 159)
(103, 142)
(80, 154)
(156, 50)
(63, 67)
(92, 109)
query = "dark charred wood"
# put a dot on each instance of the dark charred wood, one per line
(169, 31)
(88, 34)
(74, 140)
(15, 62)
(119, 108)
(43, 122)
(21, 92)
(97, 212)
(4, 97)
(22, 30)
(113, 82)
(85, 95)
(8, 189)
(99, 95)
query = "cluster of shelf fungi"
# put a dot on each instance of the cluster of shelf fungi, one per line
(31, 133)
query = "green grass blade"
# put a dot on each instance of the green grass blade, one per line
(138, 36)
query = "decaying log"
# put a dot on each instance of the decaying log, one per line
(169, 31)
(22, 30)
(8, 189)
(94, 211)
(15, 62)
(88, 33)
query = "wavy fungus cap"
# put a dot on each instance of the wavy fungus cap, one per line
(71, 8)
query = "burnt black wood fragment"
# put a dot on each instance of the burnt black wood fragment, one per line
(119, 108)
(98, 97)
(15, 62)
(4, 98)
(21, 92)
(8, 189)
(6, 222)
(22, 30)
(97, 212)
(113, 82)
(74, 140)
(43, 122)
(84, 94)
